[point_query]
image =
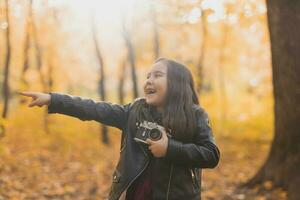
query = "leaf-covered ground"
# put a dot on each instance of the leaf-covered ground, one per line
(71, 163)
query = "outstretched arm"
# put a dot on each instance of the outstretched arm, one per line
(84, 109)
(108, 113)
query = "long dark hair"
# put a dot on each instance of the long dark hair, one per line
(181, 97)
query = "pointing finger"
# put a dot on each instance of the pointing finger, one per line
(29, 94)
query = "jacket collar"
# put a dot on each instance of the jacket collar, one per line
(156, 115)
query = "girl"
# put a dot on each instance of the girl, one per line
(167, 168)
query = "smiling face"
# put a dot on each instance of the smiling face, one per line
(155, 85)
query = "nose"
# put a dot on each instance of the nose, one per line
(147, 83)
(149, 80)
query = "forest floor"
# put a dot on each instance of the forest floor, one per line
(240, 160)
(71, 163)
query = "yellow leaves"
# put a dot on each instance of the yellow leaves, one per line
(260, 198)
(3, 121)
(35, 165)
(4, 150)
(3, 125)
(81, 177)
(282, 194)
(69, 189)
(268, 185)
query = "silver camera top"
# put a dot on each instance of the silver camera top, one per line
(148, 124)
(151, 125)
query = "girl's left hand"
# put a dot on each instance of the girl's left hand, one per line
(159, 147)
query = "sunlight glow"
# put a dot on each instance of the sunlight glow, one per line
(193, 16)
(111, 12)
(217, 7)
(4, 25)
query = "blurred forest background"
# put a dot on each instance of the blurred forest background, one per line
(102, 50)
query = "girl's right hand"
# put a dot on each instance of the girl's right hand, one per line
(38, 98)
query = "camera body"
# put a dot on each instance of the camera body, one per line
(148, 130)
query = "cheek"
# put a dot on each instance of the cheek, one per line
(163, 88)
(163, 92)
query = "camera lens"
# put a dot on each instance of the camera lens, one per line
(155, 134)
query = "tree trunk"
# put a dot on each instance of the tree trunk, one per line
(49, 81)
(221, 71)
(282, 166)
(50, 71)
(6, 90)
(122, 81)
(131, 59)
(38, 52)
(200, 63)
(104, 131)
(39, 62)
(156, 42)
(24, 82)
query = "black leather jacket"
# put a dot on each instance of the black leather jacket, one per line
(177, 175)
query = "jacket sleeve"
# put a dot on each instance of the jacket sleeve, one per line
(87, 109)
(202, 153)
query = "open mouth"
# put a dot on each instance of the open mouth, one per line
(150, 91)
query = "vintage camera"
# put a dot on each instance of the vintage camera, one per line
(148, 130)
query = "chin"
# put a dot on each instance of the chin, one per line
(150, 102)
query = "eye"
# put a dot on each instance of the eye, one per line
(158, 75)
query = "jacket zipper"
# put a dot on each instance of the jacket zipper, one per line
(168, 191)
(139, 172)
(194, 179)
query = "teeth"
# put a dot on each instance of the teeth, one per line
(151, 91)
